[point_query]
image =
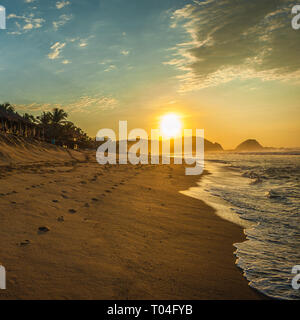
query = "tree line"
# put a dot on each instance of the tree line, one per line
(57, 129)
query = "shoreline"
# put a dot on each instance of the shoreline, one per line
(126, 233)
(242, 228)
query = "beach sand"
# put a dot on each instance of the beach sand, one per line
(114, 232)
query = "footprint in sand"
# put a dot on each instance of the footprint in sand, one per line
(24, 243)
(64, 196)
(86, 205)
(72, 211)
(95, 199)
(55, 201)
(108, 191)
(60, 219)
(43, 229)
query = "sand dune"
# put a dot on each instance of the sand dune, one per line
(17, 151)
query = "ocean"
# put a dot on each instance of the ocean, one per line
(261, 193)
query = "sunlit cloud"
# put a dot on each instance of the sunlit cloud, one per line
(62, 20)
(25, 23)
(56, 50)
(83, 104)
(83, 44)
(110, 68)
(62, 4)
(88, 103)
(230, 40)
(32, 107)
(107, 61)
(125, 52)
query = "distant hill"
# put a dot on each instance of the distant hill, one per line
(208, 145)
(249, 145)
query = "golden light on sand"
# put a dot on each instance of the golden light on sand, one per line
(170, 125)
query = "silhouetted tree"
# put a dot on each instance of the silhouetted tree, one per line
(45, 118)
(29, 117)
(55, 126)
(58, 116)
(7, 107)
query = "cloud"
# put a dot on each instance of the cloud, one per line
(33, 107)
(63, 19)
(88, 103)
(83, 44)
(235, 39)
(110, 68)
(56, 50)
(125, 52)
(29, 1)
(84, 104)
(62, 4)
(66, 61)
(105, 62)
(25, 23)
(28, 26)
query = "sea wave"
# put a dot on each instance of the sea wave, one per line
(261, 192)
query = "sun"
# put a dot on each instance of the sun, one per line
(170, 125)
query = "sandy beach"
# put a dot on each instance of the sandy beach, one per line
(72, 229)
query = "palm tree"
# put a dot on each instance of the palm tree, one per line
(55, 126)
(58, 116)
(7, 107)
(29, 117)
(53, 123)
(45, 118)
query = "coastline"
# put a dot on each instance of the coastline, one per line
(132, 235)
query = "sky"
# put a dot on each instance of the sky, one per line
(230, 67)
